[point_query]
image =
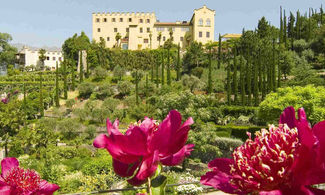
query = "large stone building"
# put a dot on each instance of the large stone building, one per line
(137, 28)
(29, 56)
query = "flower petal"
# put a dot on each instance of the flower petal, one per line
(7, 164)
(124, 170)
(288, 117)
(47, 188)
(112, 129)
(101, 141)
(5, 190)
(273, 192)
(319, 131)
(177, 158)
(219, 180)
(221, 164)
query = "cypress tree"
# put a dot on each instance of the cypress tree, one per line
(256, 68)
(321, 14)
(210, 71)
(136, 87)
(157, 71)
(168, 67)
(279, 69)
(298, 24)
(162, 69)
(309, 27)
(219, 52)
(57, 100)
(242, 82)
(285, 29)
(81, 73)
(65, 81)
(178, 62)
(235, 82)
(147, 85)
(281, 26)
(228, 83)
(249, 78)
(273, 67)
(73, 77)
(152, 70)
(41, 104)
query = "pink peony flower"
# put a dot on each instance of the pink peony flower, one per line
(284, 160)
(137, 153)
(15, 180)
(5, 100)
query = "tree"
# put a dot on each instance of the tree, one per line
(219, 52)
(194, 57)
(42, 58)
(7, 52)
(235, 83)
(81, 70)
(159, 38)
(118, 72)
(41, 104)
(57, 90)
(263, 28)
(65, 80)
(228, 83)
(209, 47)
(178, 65)
(242, 64)
(162, 68)
(150, 39)
(117, 38)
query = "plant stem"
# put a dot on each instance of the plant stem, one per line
(149, 186)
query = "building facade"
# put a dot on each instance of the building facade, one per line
(27, 57)
(142, 30)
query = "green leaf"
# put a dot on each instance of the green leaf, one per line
(158, 171)
(158, 185)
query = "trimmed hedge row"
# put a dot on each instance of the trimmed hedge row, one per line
(237, 131)
(236, 111)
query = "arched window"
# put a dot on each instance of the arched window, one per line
(200, 21)
(208, 22)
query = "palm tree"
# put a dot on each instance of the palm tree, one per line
(117, 38)
(159, 37)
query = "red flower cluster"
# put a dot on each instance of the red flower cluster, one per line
(18, 181)
(137, 153)
(288, 159)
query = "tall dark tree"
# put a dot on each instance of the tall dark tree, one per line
(279, 69)
(281, 27)
(235, 82)
(178, 65)
(73, 77)
(242, 81)
(162, 68)
(41, 104)
(249, 78)
(321, 14)
(285, 29)
(42, 58)
(255, 82)
(136, 87)
(65, 80)
(81, 68)
(228, 83)
(57, 90)
(291, 30)
(219, 52)
(273, 66)
(157, 69)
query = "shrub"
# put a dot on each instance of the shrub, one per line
(237, 111)
(70, 103)
(103, 91)
(99, 73)
(227, 145)
(124, 87)
(86, 89)
(310, 98)
(90, 132)
(69, 127)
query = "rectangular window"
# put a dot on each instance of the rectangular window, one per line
(107, 38)
(47, 58)
(141, 20)
(115, 29)
(145, 41)
(182, 39)
(113, 20)
(127, 29)
(60, 59)
(148, 20)
(97, 19)
(173, 29)
(130, 19)
(53, 58)
(208, 34)
(148, 30)
(121, 19)
(185, 29)
(200, 34)
(141, 30)
(105, 19)
(98, 29)
(161, 29)
(164, 38)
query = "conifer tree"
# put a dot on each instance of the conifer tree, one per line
(152, 70)
(242, 82)
(249, 78)
(309, 27)
(228, 83)
(73, 77)
(235, 82)
(136, 87)
(81, 73)
(168, 67)
(65, 80)
(298, 25)
(210, 71)
(162, 68)
(157, 71)
(256, 94)
(41, 104)
(281, 26)
(219, 52)
(273, 76)
(285, 29)
(279, 69)
(57, 100)
(147, 85)
(178, 63)
(321, 14)
(291, 31)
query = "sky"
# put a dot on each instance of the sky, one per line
(49, 23)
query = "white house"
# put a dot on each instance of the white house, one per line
(27, 57)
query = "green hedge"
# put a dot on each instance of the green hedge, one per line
(238, 131)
